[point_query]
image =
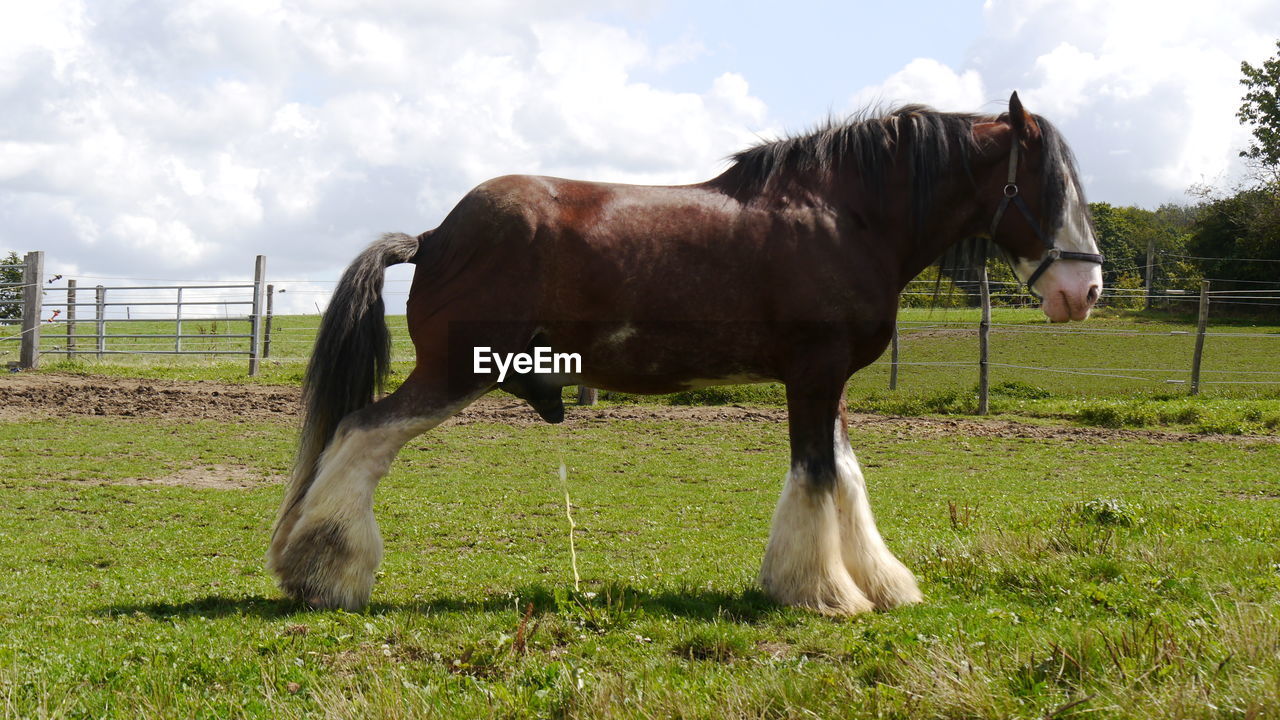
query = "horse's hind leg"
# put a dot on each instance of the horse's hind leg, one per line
(884, 579)
(327, 546)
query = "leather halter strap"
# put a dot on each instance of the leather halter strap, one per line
(1052, 253)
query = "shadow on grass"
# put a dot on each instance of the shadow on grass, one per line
(213, 606)
(746, 606)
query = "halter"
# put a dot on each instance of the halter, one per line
(1051, 253)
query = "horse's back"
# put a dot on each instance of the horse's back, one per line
(557, 204)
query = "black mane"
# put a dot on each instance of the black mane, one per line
(866, 144)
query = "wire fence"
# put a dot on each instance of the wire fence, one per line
(1229, 367)
(211, 321)
(134, 319)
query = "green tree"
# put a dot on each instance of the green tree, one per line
(1116, 232)
(10, 286)
(1124, 234)
(1261, 110)
(1175, 225)
(1240, 236)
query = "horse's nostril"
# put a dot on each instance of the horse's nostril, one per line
(1093, 294)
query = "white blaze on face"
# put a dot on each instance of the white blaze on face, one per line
(1069, 287)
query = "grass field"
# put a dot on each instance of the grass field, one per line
(1068, 571)
(1133, 577)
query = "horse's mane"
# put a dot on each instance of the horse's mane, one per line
(866, 142)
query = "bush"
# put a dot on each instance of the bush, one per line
(1116, 416)
(1128, 300)
(927, 292)
(946, 402)
(1223, 426)
(771, 394)
(1022, 390)
(10, 275)
(1107, 512)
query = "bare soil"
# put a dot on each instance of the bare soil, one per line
(214, 477)
(42, 395)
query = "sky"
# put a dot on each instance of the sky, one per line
(168, 141)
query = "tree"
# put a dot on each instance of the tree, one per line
(1237, 236)
(1174, 268)
(10, 286)
(1240, 236)
(1261, 109)
(1124, 234)
(1116, 231)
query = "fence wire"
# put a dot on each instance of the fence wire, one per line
(91, 333)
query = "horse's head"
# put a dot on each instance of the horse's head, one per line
(1040, 218)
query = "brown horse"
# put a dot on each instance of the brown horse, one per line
(787, 267)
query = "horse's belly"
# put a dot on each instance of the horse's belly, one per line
(662, 384)
(663, 358)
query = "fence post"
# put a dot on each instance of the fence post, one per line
(266, 333)
(255, 320)
(32, 294)
(177, 327)
(984, 333)
(893, 357)
(1201, 323)
(587, 395)
(1151, 267)
(100, 316)
(71, 319)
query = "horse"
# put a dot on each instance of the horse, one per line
(787, 267)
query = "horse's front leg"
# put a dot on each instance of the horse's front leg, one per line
(885, 580)
(804, 562)
(824, 550)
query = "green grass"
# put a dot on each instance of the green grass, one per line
(1139, 578)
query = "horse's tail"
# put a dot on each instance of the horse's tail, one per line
(348, 364)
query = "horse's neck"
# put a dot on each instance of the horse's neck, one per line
(894, 240)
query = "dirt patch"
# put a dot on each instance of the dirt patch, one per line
(216, 477)
(1251, 496)
(26, 395)
(510, 411)
(212, 477)
(40, 395)
(908, 335)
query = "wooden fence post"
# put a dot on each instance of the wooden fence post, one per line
(587, 396)
(1201, 323)
(71, 319)
(984, 334)
(100, 315)
(1151, 268)
(266, 333)
(255, 320)
(893, 358)
(32, 295)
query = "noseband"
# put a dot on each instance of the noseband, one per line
(1051, 253)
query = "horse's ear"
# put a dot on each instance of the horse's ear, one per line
(1024, 125)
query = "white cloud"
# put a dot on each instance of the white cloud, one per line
(170, 239)
(926, 81)
(1146, 91)
(191, 137)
